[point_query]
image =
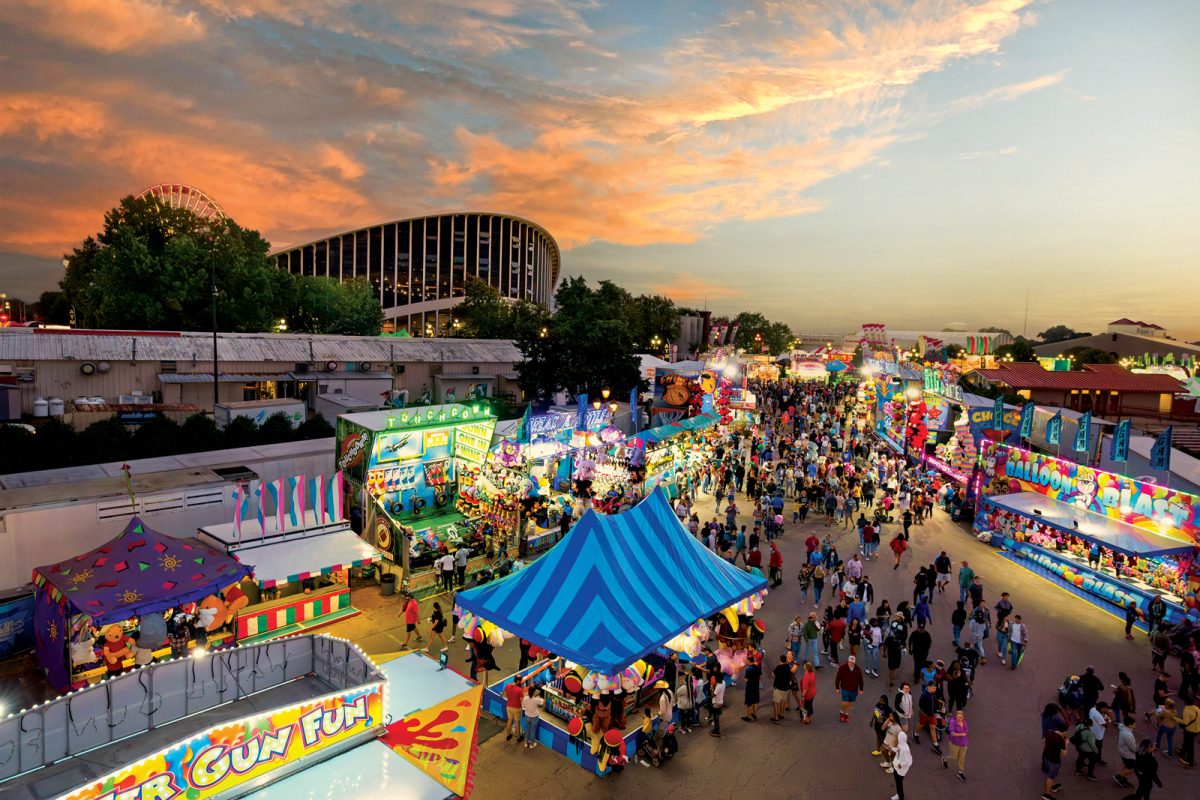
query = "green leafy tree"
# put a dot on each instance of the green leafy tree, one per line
(1060, 333)
(1021, 350)
(585, 346)
(240, 432)
(651, 316)
(52, 308)
(105, 440)
(199, 433)
(483, 313)
(275, 429)
(316, 427)
(358, 311)
(755, 332)
(157, 437)
(19, 447)
(1090, 355)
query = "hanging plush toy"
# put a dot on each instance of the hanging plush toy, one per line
(116, 648)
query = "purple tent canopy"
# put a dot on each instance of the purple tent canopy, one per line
(139, 572)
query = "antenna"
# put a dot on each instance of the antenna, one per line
(1025, 325)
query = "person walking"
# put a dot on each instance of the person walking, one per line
(872, 641)
(1018, 640)
(1146, 770)
(1086, 749)
(812, 640)
(1189, 721)
(977, 629)
(1054, 747)
(919, 645)
(901, 762)
(849, 682)
(437, 626)
(808, 691)
(942, 565)
(956, 736)
(795, 636)
(898, 545)
(753, 679)
(1127, 750)
(411, 616)
(775, 566)
(966, 576)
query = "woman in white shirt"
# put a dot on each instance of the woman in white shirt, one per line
(532, 706)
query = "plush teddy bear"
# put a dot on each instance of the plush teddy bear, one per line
(217, 609)
(116, 648)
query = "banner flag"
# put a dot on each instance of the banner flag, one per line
(440, 740)
(316, 490)
(241, 507)
(1119, 449)
(1160, 453)
(1026, 430)
(1083, 436)
(998, 414)
(275, 489)
(298, 504)
(258, 497)
(1054, 429)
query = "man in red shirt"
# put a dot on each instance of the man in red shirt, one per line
(776, 566)
(837, 631)
(810, 544)
(411, 613)
(514, 693)
(849, 682)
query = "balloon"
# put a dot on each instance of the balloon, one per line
(573, 685)
(731, 615)
(575, 726)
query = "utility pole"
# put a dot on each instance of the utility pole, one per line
(212, 263)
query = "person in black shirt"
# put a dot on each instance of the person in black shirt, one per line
(781, 682)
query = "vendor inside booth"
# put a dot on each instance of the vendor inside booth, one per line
(141, 597)
(1105, 537)
(302, 576)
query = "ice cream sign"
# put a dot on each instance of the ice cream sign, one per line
(223, 757)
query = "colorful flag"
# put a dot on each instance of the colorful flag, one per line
(298, 505)
(1054, 429)
(334, 494)
(1119, 449)
(1160, 453)
(581, 422)
(275, 489)
(1083, 436)
(998, 414)
(258, 497)
(241, 507)
(1027, 420)
(523, 427)
(633, 409)
(316, 490)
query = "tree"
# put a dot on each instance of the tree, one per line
(105, 440)
(275, 429)
(585, 346)
(755, 332)
(1090, 355)
(157, 437)
(357, 311)
(857, 359)
(200, 433)
(650, 316)
(1060, 333)
(483, 313)
(151, 267)
(1021, 350)
(315, 427)
(240, 432)
(994, 329)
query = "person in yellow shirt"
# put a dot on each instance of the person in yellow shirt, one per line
(1189, 720)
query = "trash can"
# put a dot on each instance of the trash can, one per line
(388, 582)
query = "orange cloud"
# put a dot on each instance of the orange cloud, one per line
(110, 26)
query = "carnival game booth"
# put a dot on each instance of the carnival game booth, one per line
(1104, 537)
(211, 727)
(301, 575)
(125, 593)
(609, 602)
(670, 449)
(402, 469)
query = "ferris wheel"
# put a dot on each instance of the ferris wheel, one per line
(180, 195)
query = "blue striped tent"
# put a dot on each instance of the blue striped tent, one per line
(615, 588)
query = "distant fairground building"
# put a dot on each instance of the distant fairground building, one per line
(420, 266)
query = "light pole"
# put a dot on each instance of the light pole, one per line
(212, 263)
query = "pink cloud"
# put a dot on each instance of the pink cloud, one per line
(109, 26)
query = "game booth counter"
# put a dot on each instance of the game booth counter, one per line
(1103, 536)
(141, 597)
(403, 469)
(606, 607)
(301, 575)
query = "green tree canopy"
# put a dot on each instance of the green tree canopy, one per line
(1060, 333)
(1021, 350)
(776, 337)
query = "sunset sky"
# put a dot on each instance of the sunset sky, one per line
(827, 163)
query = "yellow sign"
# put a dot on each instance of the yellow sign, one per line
(439, 739)
(436, 439)
(220, 758)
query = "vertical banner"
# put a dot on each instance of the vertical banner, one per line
(998, 414)
(1026, 430)
(1119, 450)
(316, 490)
(634, 411)
(1054, 429)
(1160, 453)
(262, 517)
(335, 497)
(241, 507)
(275, 489)
(1083, 436)
(581, 401)
(297, 504)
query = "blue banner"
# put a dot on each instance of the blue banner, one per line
(1119, 449)
(1054, 429)
(998, 411)
(1083, 436)
(16, 626)
(1160, 454)
(1026, 421)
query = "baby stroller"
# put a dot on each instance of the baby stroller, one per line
(658, 750)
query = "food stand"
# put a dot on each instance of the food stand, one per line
(301, 579)
(120, 591)
(1105, 537)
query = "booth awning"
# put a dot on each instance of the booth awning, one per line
(1106, 531)
(656, 435)
(615, 588)
(281, 560)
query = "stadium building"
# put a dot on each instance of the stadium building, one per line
(420, 266)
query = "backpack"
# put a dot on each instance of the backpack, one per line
(1077, 737)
